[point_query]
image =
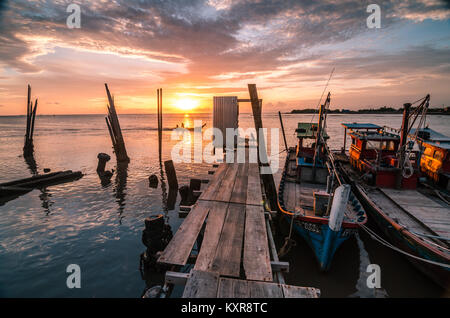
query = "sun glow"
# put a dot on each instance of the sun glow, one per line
(186, 104)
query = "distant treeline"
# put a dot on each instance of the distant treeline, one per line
(381, 110)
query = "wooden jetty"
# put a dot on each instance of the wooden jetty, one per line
(237, 256)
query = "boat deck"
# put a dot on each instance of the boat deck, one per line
(234, 249)
(416, 212)
(419, 214)
(299, 197)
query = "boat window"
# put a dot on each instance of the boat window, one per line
(373, 144)
(428, 152)
(438, 154)
(388, 145)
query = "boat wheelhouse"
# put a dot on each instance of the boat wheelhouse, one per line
(310, 163)
(373, 151)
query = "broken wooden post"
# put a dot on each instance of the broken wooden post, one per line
(112, 121)
(171, 174)
(269, 183)
(155, 237)
(195, 184)
(153, 181)
(104, 175)
(103, 158)
(159, 104)
(28, 147)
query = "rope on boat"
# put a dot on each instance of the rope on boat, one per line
(438, 193)
(387, 244)
(432, 236)
(288, 241)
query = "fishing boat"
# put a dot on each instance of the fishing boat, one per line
(182, 126)
(324, 212)
(386, 172)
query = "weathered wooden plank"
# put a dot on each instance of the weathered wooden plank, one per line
(256, 249)
(232, 288)
(299, 292)
(214, 183)
(176, 278)
(411, 197)
(223, 193)
(201, 285)
(239, 193)
(214, 225)
(424, 209)
(227, 259)
(264, 290)
(179, 248)
(290, 196)
(254, 194)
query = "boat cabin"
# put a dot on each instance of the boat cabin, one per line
(434, 159)
(307, 169)
(373, 151)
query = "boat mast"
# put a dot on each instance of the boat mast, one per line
(406, 128)
(402, 145)
(319, 138)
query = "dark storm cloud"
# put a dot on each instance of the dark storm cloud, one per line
(245, 35)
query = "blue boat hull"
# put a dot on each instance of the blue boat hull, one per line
(323, 241)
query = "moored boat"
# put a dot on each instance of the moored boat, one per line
(322, 211)
(385, 174)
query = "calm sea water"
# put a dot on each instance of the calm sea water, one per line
(99, 227)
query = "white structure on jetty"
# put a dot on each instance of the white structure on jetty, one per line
(225, 115)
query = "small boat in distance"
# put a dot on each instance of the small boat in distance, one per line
(187, 128)
(324, 212)
(385, 174)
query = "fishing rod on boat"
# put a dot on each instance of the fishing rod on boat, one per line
(323, 92)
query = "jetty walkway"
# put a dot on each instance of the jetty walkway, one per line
(237, 257)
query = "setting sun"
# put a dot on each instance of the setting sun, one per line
(186, 104)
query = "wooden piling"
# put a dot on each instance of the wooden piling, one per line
(115, 131)
(171, 174)
(160, 123)
(28, 147)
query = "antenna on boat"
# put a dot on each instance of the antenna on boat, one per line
(323, 92)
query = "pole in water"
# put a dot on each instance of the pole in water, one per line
(171, 174)
(31, 115)
(282, 129)
(115, 131)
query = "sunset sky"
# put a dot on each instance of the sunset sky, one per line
(196, 49)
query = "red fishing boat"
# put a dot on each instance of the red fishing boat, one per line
(386, 172)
